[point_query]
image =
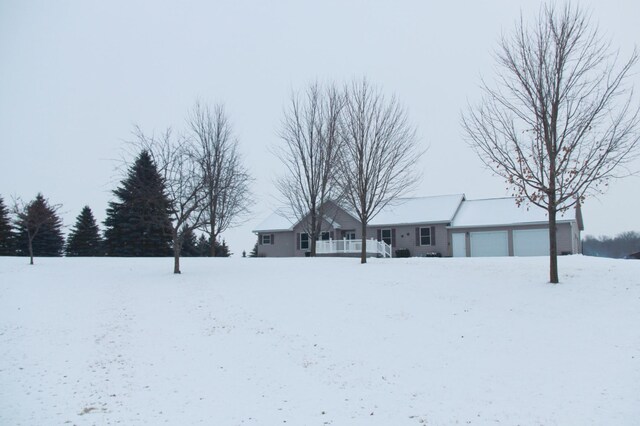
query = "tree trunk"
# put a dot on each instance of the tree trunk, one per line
(363, 255)
(553, 241)
(31, 250)
(177, 247)
(314, 234)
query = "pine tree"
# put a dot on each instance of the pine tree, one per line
(84, 238)
(139, 223)
(203, 246)
(254, 251)
(189, 244)
(7, 234)
(39, 229)
(222, 249)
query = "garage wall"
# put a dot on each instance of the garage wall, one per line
(565, 236)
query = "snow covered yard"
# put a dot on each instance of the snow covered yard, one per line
(319, 341)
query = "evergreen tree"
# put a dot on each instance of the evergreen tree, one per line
(222, 249)
(39, 229)
(254, 252)
(189, 244)
(138, 223)
(7, 234)
(84, 238)
(203, 246)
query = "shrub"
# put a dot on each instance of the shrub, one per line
(403, 253)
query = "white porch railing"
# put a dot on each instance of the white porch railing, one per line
(378, 248)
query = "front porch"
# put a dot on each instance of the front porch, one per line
(352, 247)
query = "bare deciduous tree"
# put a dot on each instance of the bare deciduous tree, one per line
(560, 122)
(226, 179)
(309, 154)
(175, 158)
(378, 155)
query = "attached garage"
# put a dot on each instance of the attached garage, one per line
(531, 242)
(489, 243)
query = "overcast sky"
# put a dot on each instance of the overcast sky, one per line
(75, 76)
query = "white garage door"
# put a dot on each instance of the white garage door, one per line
(494, 243)
(531, 242)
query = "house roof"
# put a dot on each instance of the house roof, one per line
(450, 209)
(500, 211)
(435, 209)
(276, 221)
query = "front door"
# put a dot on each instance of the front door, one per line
(349, 235)
(459, 244)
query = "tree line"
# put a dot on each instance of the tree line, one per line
(620, 246)
(176, 187)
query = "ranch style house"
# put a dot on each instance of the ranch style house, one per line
(447, 225)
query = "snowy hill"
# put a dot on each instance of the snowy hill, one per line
(319, 342)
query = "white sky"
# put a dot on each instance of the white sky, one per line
(76, 75)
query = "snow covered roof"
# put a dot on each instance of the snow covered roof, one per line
(500, 211)
(441, 208)
(279, 220)
(452, 209)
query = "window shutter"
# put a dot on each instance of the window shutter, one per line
(379, 234)
(433, 235)
(417, 237)
(273, 238)
(259, 239)
(298, 241)
(393, 237)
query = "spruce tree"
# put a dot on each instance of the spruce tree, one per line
(254, 251)
(39, 229)
(138, 223)
(84, 238)
(7, 234)
(203, 246)
(189, 244)
(222, 249)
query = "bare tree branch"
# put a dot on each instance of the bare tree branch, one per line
(379, 152)
(175, 158)
(309, 152)
(226, 179)
(560, 122)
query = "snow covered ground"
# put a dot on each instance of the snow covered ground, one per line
(319, 342)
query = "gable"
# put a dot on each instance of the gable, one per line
(276, 221)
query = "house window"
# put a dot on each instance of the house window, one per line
(324, 236)
(385, 235)
(425, 236)
(304, 241)
(266, 239)
(349, 235)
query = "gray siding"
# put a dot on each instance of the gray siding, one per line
(281, 245)
(406, 238)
